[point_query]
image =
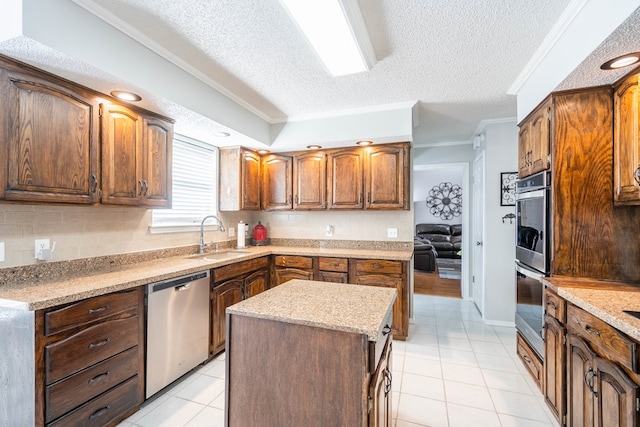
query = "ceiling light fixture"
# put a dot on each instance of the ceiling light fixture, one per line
(314, 147)
(222, 134)
(621, 61)
(364, 143)
(336, 31)
(126, 96)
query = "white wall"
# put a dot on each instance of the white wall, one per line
(423, 182)
(501, 155)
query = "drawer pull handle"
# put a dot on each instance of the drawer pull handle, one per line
(386, 330)
(99, 344)
(552, 305)
(526, 359)
(99, 377)
(100, 412)
(98, 310)
(592, 331)
(387, 381)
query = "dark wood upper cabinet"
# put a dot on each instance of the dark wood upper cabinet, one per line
(277, 177)
(49, 140)
(386, 179)
(239, 179)
(310, 181)
(626, 170)
(345, 179)
(533, 141)
(136, 158)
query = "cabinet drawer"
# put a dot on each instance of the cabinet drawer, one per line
(333, 276)
(530, 360)
(89, 346)
(376, 348)
(103, 409)
(378, 266)
(606, 340)
(89, 310)
(233, 270)
(555, 306)
(293, 261)
(69, 393)
(333, 264)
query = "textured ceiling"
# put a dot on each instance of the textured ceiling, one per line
(456, 58)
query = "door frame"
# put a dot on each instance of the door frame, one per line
(465, 283)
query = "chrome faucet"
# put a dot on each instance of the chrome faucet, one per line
(202, 244)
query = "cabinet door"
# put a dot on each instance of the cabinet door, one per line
(121, 157)
(580, 382)
(555, 360)
(309, 181)
(285, 274)
(223, 295)
(626, 160)
(380, 391)
(255, 283)
(615, 397)
(52, 145)
(156, 172)
(277, 176)
(344, 178)
(386, 177)
(250, 181)
(539, 142)
(524, 142)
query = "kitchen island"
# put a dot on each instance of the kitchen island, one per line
(310, 353)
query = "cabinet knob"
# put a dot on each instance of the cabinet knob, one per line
(386, 330)
(636, 175)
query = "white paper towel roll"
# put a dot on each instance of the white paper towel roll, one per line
(241, 234)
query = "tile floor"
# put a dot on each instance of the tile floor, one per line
(454, 370)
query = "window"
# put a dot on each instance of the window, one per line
(194, 187)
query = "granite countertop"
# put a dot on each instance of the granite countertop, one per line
(337, 306)
(45, 290)
(604, 299)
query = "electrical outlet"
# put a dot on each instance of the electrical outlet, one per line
(232, 231)
(392, 233)
(40, 245)
(1, 251)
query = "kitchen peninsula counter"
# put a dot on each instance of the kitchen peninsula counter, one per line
(47, 285)
(605, 300)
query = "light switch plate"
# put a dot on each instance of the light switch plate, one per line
(1, 251)
(392, 233)
(231, 231)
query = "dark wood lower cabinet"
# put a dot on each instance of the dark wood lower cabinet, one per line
(555, 361)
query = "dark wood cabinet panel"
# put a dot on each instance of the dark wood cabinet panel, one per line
(380, 390)
(332, 276)
(157, 161)
(224, 295)
(255, 283)
(277, 178)
(50, 139)
(310, 181)
(579, 376)
(345, 174)
(530, 360)
(534, 140)
(250, 182)
(626, 102)
(555, 360)
(239, 187)
(284, 274)
(386, 179)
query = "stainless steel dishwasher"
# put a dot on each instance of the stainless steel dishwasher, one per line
(177, 328)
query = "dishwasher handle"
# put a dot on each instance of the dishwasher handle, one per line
(177, 282)
(183, 287)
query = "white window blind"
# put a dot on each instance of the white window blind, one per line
(194, 186)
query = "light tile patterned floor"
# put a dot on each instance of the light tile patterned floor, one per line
(454, 370)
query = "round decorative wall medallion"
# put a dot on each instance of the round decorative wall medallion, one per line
(445, 200)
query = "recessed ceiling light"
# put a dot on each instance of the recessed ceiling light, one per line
(346, 47)
(314, 147)
(126, 96)
(363, 143)
(222, 134)
(621, 61)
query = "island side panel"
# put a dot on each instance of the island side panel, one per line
(281, 374)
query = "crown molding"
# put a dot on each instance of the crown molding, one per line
(484, 123)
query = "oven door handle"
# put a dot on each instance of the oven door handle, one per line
(528, 272)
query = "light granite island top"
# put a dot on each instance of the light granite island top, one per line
(337, 306)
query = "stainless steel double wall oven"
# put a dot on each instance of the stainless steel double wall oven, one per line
(532, 255)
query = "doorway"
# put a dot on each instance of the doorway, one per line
(450, 273)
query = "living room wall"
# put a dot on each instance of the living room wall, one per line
(424, 182)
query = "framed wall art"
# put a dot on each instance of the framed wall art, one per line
(508, 188)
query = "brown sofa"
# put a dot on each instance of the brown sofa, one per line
(445, 238)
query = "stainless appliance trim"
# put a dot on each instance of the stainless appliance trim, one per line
(534, 274)
(177, 328)
(533, 337)
(535, 187)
